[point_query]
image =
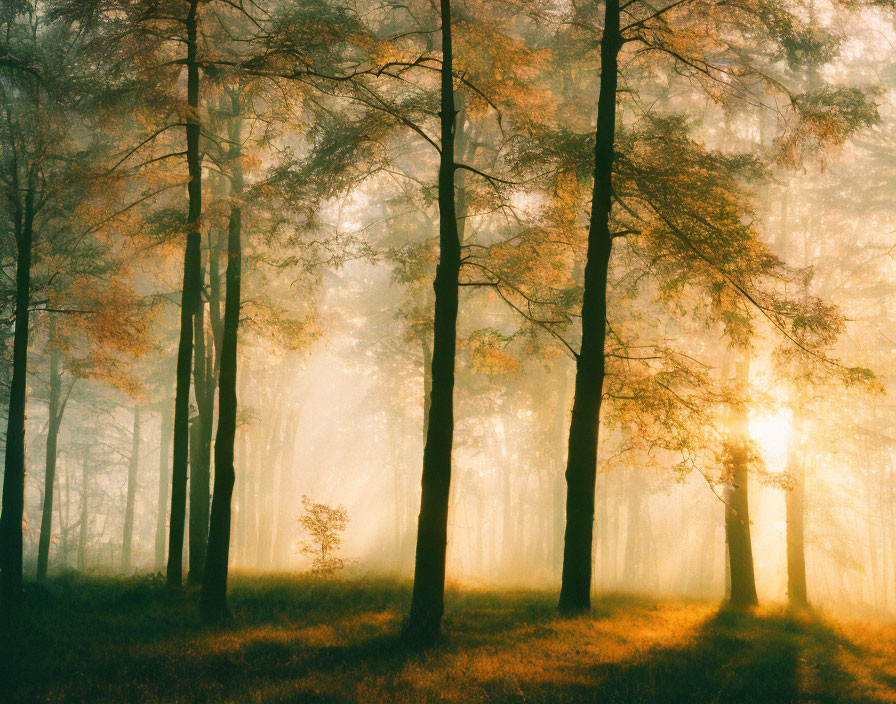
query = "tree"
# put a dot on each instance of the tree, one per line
(737, 504)
(144, 43)
(214, 585)
(57, 405)
(133, 465)
(162, 506)
(719, 262)
(324, 525)
(381, 112)
(581, 464)
(428, 600)
(189, 303)
(45, 172)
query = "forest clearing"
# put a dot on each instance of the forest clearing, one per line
(305, 640)
(448, 351)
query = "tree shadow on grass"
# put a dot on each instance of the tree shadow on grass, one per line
(341, 642)
(735, 658)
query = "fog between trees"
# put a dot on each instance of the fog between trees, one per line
(743, 168)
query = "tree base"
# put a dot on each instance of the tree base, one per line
(575, 600)
(420, 631)
(741, 604)
(573, 610)
(799, 606)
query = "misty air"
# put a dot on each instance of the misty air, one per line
(467, 351)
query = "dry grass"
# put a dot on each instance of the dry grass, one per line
(301, 640)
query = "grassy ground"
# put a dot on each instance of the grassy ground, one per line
(299, 640)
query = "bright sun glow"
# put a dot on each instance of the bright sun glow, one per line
(772, 432)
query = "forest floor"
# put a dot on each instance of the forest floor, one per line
(294, 639)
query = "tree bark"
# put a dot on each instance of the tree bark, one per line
(427, 385)
(242, 528)
(190, 301)
(737, 508)
(162, 505)
(200, 450)
(55, 418)
(213, 601)
(797, 593)
(428, 600)
(13, 506)
(581, 463)
(132, 493)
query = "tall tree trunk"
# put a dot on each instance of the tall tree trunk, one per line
(581, 463)
(132, 493)
(66, 515)
(427, 385)
(190, 301)
(242, 529)
(285, 491)
(213, 602)
(83, 528)
(558, 425)
(200, 450)
(634, 535)
(797, 593)
(267, 454)
(248, 452)
(46, 519)
(737, 509)
(162, 505)
(428, 600)
(14, 468)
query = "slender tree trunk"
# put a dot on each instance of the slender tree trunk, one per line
(892, 521)
(427, 385)
(737, 510)
(286, 491)
(66, 515)
(190, 301)
(267, 453)
(213, 601)
(428, 600)
(797, 593)
(701, 575)
(200, 450)
(252, 492)
(83, 528)
(242, 531)
(581, 463)
(506, 499)
(634, 536)
(872, 537)
(132, 493)
(216, 322)
(13, 507)
(559, 423)
(162, 505)
(55, 413)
